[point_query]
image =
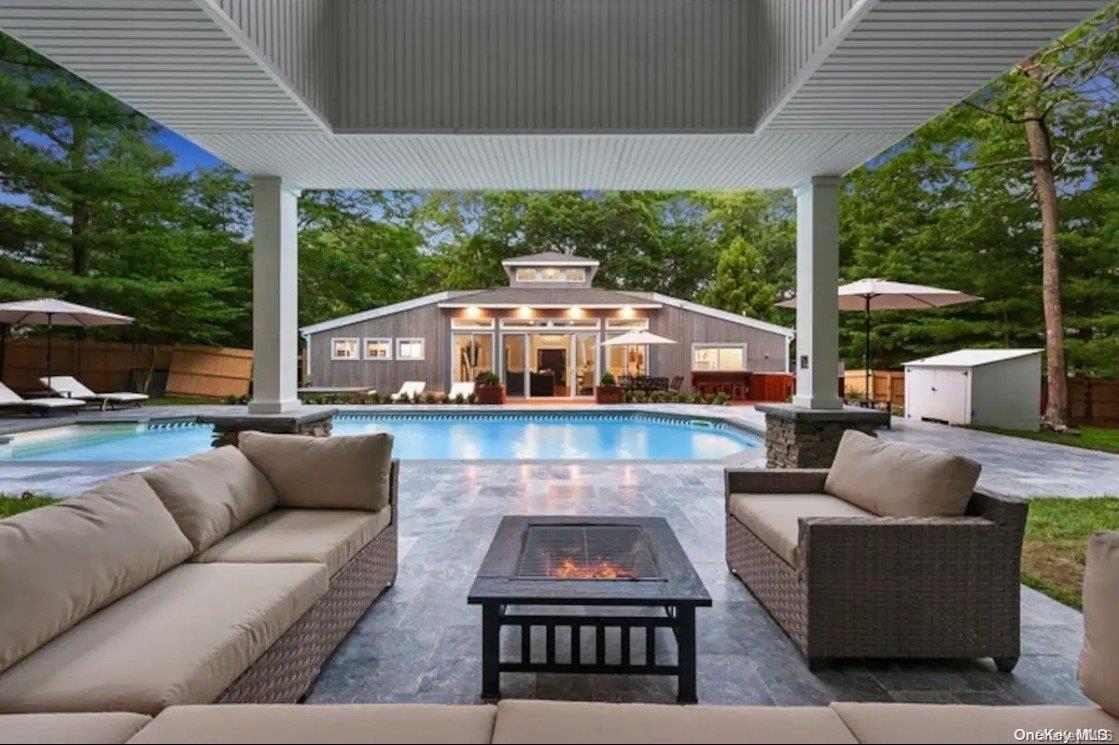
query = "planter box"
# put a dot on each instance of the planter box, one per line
(489, 394)
(608, 394)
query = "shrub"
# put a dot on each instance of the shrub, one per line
(628, 397)
(721, 398)
(471, 398)
(429, 398)
(487, 378)
(608, 380)
(459, 398)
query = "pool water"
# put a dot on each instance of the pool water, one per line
(418, 437)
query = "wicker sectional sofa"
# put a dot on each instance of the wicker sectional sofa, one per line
(892, 552)
(576, 722)
(229, 576)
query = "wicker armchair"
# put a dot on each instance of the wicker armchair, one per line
(894, 587)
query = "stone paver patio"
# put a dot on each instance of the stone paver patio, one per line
(421, 642)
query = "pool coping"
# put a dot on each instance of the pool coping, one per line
(745, 456)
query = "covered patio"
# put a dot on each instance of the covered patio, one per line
(486, 94)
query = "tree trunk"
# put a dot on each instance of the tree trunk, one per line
(1041, 152)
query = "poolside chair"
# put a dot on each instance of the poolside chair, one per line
(409, 390)
(466, 390)
(69, 387)
(12, 401)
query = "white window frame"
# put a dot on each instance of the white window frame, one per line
(472, 324)
(538, 274)
(411, 340)
(335, 356)
(721, 345)
(622, 325)
(376, 339)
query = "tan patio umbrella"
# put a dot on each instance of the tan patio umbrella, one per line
(636, 339)
(50, 313)
(881, 294)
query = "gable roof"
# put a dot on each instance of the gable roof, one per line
(384, 310)
(544, 297)
(971, 357)
(549, 258)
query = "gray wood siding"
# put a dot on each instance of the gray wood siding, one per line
(428, 322)
(521, 65)
(765, 350)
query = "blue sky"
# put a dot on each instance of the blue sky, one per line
(188, 156)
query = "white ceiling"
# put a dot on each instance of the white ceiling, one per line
(560, 94)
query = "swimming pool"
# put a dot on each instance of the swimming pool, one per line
(533, 436)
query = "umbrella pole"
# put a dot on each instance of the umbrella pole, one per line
(866, 354)
(50, 333)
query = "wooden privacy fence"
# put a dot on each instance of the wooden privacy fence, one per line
(1091, 401)
(115, 366)
(885, 385)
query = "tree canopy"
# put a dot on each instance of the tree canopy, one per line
(93, 210)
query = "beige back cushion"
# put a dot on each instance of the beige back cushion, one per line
(344, 473)
(212, 494)
(1099, 659)
(895, 480)
(63, 562)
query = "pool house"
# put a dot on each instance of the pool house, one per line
(543, 334)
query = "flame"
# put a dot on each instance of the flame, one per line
(569, 568)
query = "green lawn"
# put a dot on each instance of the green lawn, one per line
(1056, 540)
(11, 505)
(1090, 438)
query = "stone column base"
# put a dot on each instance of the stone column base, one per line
(808, 438)
(228, 427)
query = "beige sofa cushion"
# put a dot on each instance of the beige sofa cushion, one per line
(330, 537)
(939, 723)
(212, 494)
(109, 727)
(342, 473)
(1099, 658)
(578, 722)
(331, 723)
(896, 480)
(774, 518)
(181, 639)
(60, 563)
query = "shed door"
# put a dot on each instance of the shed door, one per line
(948, 395)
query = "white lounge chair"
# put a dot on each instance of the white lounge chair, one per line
(69, 387)
(12, 401)
(409, 390)
(466, 390)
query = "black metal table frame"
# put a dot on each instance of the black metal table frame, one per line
(679, 594)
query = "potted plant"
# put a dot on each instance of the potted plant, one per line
(609, 392)
(488, 389)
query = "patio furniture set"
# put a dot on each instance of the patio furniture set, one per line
(66, 394)
(242, 569)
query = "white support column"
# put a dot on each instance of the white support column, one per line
(275, 288)
(817, 362)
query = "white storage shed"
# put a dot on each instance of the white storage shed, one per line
(991, 387)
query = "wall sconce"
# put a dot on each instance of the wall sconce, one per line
(575, 312)
(524, 312)
(473, 311)
(627, 312)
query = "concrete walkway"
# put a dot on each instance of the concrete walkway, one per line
(1011, 465)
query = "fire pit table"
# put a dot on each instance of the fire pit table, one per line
(603, 563)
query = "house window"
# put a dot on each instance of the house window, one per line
(410, 349)
(471, 323)
(719, 357)
(378, 349)
(551, 274)
(345, 349)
